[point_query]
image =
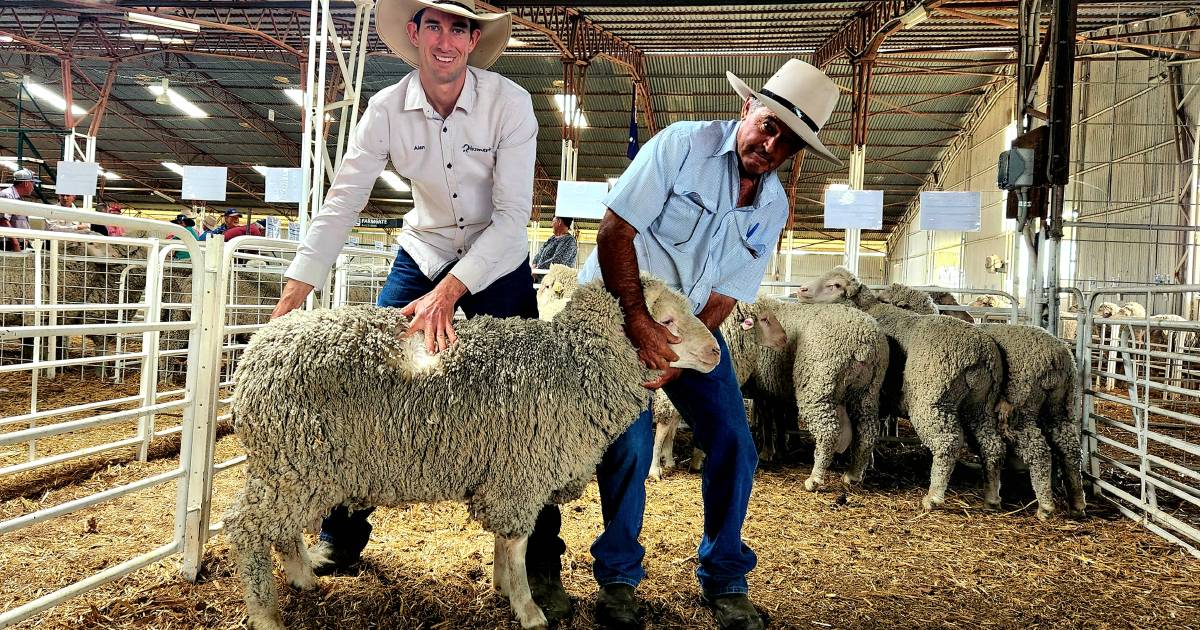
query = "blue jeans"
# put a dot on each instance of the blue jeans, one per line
(511, 295)
(712, 406)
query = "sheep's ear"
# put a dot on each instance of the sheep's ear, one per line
(652, 289)
(853, 286)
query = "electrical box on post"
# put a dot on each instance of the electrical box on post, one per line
(1015, 169)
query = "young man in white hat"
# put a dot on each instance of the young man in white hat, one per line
(22, 187)
(701, 207)
(466, 139)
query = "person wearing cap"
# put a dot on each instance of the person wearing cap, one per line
(189, 224)
(63, 225)
(22, 187)
(701, 207)
(231, 218)
(466, 139)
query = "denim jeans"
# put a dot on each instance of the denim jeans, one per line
(712, 406)
(511, 295)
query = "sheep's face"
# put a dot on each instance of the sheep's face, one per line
(1107, 310)
(768, 332)
(698, 349)
(554, 291)
(836, 285)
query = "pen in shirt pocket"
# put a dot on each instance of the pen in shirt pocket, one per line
(753, 252)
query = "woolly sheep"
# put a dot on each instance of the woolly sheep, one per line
(951, 379)
(333, 407)
(1039, 397)
(833, 369)
(1037, 403)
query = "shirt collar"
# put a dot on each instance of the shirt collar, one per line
(729, 143)
(414, 96)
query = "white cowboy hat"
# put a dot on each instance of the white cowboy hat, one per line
(392, 18)
(801, 96)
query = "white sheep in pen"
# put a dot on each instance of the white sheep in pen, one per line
(335, 408)
(952, 375)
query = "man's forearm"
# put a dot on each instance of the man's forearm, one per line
(717, 310)
(618, 265)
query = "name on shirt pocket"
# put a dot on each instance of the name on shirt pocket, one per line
(684, 220)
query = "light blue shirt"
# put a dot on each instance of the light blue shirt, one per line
(680, 194)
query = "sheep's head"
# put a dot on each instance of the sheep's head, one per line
(697, 349)
(908, 298)
(1132, 309)
(555, 289)
(1107, 310)
(768, 332)
(985, 301)
(837, 285)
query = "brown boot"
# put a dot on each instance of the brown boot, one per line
(735, 611)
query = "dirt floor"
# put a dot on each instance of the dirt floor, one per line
(841, 558)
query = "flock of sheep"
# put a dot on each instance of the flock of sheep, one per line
(402, 426)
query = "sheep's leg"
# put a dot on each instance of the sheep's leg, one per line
(697, 460)
(664, 438)
(252, 551)
(296, 564)
(519, 597)
(864, 412)
(1065, 440)
(767, 427)
(992, 449)
(1035, 452)
(500, 567)
(940, 433)
(823, 423)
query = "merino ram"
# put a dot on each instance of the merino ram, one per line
(952, 375)
(337, 408)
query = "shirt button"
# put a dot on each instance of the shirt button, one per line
(460, 219)
(455, 195)
(462, 227)
(460, 251)
(445, 129)
(449, 165)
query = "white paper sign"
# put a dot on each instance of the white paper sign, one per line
(950, 211)
(854, 209)
(204, 182)
(284, 185)
(293, 231)
(379, 246)
(272, 230)
(581, 200)
(353, 241)
(76, 178)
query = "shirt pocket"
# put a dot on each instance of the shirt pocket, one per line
(686, 220)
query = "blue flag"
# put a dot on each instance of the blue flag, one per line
(632, 149)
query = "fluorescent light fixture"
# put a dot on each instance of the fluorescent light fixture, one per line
(838, 187)
(395, 181)
(569, 100)
(513, 42)
(52, 98)
(914, 16)
(178, 101)
(262, 170)
(109, 175)
(157, 20)
(174, 167)
(5, 39)
(295, 95)
(9, 164)
(150, 37)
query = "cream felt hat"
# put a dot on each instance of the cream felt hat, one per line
(801, 96)
(392, 18)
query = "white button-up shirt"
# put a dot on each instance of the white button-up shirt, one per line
(471, 176)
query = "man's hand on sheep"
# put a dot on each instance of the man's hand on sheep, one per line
(667, 376)
(292, 298)
(653, 342)
(433, 314)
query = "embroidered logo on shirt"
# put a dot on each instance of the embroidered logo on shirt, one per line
(468, 149)
(419, 147)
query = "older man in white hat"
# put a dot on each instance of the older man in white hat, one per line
(700, 207)
(466, 139)
(23, 183)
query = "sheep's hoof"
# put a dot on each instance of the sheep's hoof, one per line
(991, 505)
(531, 617)
(851, 480)
(932, 503)
(655, 475)
(304, 582)
(811, 484)
(1044, 514)
(1077, 513)
(264, 621)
